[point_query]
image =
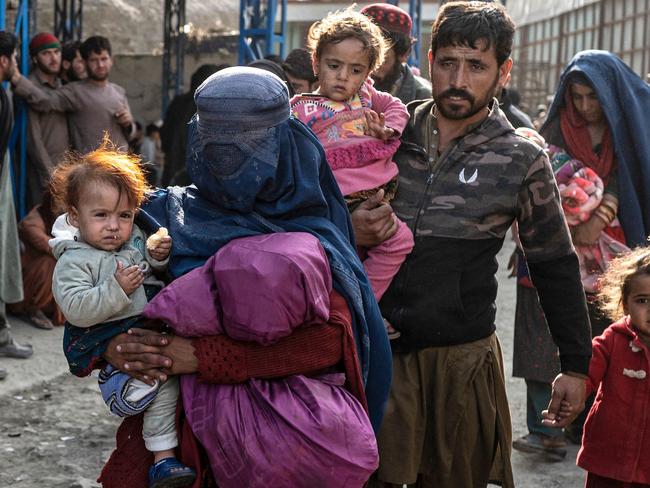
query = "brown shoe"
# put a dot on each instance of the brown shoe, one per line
(39, 320)
(554, 448)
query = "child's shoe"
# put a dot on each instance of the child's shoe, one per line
(170, 473)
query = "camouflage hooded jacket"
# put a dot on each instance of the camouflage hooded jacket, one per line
(459, 206)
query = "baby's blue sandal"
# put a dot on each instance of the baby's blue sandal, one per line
(170, 473)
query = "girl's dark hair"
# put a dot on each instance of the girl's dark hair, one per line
(466, 23)
(348, 24)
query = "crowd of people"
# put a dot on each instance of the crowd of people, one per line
(313, 263)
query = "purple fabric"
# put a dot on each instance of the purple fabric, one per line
(269, 284)
(189, 304)
(255, 288)
(295, 431)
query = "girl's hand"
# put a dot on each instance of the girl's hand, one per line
(162, 249)
(566, 410)
(129, 278)
(376, 126)
(140, 353)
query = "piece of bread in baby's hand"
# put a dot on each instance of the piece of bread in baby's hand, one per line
(154, 239)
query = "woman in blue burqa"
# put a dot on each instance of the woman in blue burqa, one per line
(255, 170)
(599, 120)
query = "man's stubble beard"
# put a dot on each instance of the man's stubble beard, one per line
(386, 84)
(92, 76)
(475, 107)
(46, 69)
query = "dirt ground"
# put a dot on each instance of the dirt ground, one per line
(58, 434)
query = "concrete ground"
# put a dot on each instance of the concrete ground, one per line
(48, 369)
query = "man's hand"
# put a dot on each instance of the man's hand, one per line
(376, 126)
(373, 221)
(124, 117)
(588, 232)
(15, 78)
(162, 249)
(567, 401)
(140, 353)
(129, 278)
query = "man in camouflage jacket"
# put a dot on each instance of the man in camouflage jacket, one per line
(465, 178)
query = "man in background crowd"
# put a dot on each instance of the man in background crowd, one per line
(73, 66)
(173, 134)
(298, 69)
(509, 103)
(395, 76)
(11, 283)
(95, 106)
(47, 132)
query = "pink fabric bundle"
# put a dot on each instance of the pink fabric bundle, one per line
(581, 194)
(295, 431)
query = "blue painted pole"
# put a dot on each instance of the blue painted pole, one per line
(22, 29)
(19, 182)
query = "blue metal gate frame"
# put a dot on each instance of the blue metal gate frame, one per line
(17, 138)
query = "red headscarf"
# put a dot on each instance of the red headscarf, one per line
(578, 141)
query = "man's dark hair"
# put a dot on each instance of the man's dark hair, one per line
(298, 64)
(203, 72)
(466, 23)
(8, 43)
(95, 44)
(69, 50)
(274, 57)
(399, 42)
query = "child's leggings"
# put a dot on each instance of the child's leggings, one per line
(383, 261)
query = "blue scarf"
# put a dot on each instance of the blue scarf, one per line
(625, 100)
(283, 184)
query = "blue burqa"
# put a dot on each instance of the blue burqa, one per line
(281, 183)
(625, 101)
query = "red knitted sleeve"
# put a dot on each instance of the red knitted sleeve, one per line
(307, 350)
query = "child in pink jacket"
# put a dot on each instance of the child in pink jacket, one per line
(358, 126)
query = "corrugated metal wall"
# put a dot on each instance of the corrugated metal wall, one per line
(543, 47)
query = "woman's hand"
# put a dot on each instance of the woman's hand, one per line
(181, 352)
(140, 353)
(587, 233)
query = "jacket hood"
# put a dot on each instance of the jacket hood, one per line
(495, 125)
(66, 236)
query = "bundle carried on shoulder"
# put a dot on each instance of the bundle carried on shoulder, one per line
(294, 431)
